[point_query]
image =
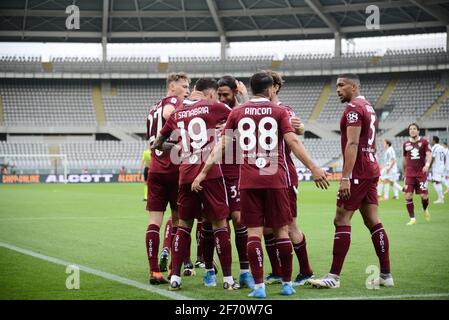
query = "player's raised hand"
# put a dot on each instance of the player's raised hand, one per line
(241, 88)
(344, 192)
(320, 177)
(196, 184)
(297, 125)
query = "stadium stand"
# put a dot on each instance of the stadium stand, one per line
(414, 94)
(45, 102)
(442, 112)
(23, 162)
(103, 156)
(49, 102)
(132, 98)
(301, 94)
(232, 64)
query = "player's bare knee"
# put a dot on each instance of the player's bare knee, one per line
(216, 224)
(185, 223)
(342, 217)
(155, 217)
(281, 233)
(236, 218)
(255, 232)
(267, 231)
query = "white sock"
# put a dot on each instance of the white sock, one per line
(212, 270)
(228, 279)
(174, 278)
(242, 271)
(386, 191)
(446, 182)
(379, 189)
(397, 186)
(413, 219)
(259, 285)
(439, 189)
(286, 282)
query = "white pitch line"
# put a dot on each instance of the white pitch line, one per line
(68, 218)
(99, 273)
(403, 296)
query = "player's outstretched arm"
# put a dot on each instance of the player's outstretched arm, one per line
(214, 157)
(353, 134)
(318, 174)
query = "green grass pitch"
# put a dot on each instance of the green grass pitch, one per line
(102, 226)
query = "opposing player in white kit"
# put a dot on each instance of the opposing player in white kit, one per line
(389, 172)
(438, 166)
(446, 168)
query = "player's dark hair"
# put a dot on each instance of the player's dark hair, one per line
(350, 76)
(260, 83)
(388, 142)
(228, 81)
(413, 124)
(277, 79)
(436, 139)
(204, 84)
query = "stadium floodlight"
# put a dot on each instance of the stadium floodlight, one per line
(36, 162)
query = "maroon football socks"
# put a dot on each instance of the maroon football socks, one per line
(410, 208)
(255, 256)
(241, 239)
(342, 240)
(303, 258)
(179, 248)
(223, 247)
(382, 246)
(284, 253)
(167, 236)
(152, 245)
(270, 246)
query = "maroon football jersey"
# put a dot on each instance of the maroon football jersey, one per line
(160, 160)
(360, 113)
(195, 124)
(292, 174)
(415, 157)
(259, 126)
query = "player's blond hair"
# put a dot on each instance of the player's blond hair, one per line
(173, 77)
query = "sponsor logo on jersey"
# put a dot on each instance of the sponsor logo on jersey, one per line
(352, 117)
(414, 154)
(408, 147)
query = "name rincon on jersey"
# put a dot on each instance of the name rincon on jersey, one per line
(258, 111)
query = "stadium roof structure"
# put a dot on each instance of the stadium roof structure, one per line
(215, 20)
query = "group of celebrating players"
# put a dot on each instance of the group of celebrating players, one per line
(218, 155)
